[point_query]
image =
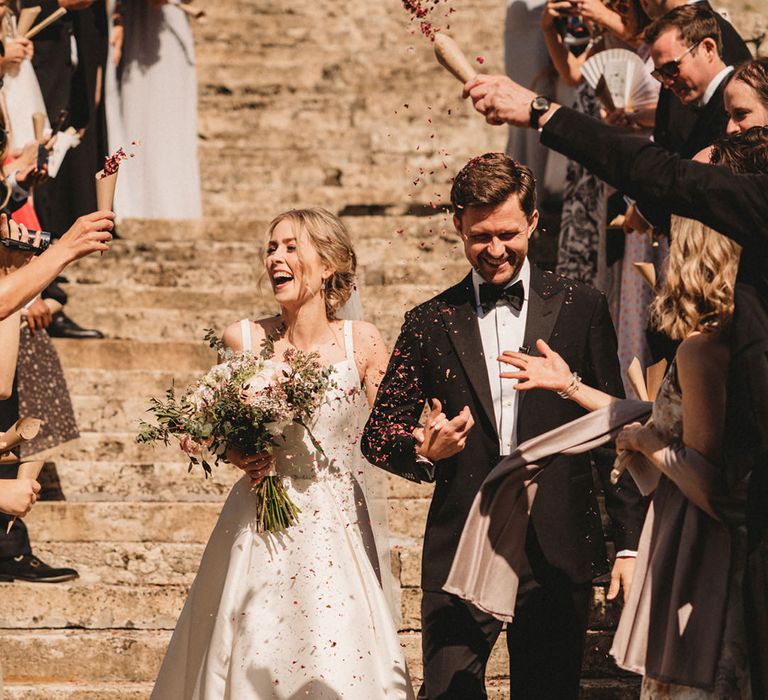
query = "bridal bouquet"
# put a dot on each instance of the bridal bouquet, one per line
(244, 403)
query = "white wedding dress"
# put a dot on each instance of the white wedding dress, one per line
(301, 614)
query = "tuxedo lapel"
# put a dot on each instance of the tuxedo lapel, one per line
(545, 298)
(460, 320)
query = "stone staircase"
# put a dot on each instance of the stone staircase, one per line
(130, 518)
(301, 102)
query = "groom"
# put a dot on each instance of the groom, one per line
(446, 354)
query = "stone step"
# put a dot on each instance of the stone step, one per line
(98, 605)
(69, 656)
(73, 480)
(231, 302)
(122, 355)
(200, 237)
(92, 606)
(125, 384)
(591, 689)
(384, 305)
(172, 521)
(155, 325)
(78, 691)
(379, 266)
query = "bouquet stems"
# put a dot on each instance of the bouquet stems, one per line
(275, 511)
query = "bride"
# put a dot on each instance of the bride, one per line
(301, 613)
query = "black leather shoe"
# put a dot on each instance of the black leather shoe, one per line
(28, 567)
(62, 326)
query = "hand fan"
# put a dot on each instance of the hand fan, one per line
(626, 77)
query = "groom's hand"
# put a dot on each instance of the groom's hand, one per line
(444, 438)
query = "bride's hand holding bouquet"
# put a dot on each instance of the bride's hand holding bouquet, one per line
(237, 412)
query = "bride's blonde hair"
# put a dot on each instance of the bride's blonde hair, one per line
(331, 240)
(697, 294)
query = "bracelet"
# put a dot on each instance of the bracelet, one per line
(572, 387)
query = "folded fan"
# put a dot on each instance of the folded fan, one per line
(627, 78)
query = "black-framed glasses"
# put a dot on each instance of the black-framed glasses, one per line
(671, 69)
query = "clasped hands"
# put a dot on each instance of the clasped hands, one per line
(441, 438)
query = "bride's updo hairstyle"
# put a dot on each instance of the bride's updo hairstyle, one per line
(330, 238)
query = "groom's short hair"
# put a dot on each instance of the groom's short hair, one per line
(491, 179)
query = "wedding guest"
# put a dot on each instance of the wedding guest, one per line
(746, 96)
(737, 206)
(582, 243)
(526, 61)
(20, 86)
(687, 51)
(686, 48)
(675, 120)
(446, 354)
(69, 61)
(20, 280)
(693, 548)
(153, 63)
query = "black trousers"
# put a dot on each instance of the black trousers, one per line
(545, 643)
(16, 542)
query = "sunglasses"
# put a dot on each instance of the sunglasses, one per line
(671, 69)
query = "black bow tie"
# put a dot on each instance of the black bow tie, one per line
(490, 295)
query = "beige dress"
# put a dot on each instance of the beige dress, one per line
(683, 625)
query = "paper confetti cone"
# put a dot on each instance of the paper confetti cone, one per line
(647, 272)
(22, 429)
(105, 191)
(50, 19)
(27, 18)
(452, 58)
(38, 124)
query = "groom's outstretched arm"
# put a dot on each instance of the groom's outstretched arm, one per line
(388, 440)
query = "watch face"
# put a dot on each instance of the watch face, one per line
(541, 103)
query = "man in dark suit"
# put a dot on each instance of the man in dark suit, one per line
(447, 353)
(687, 51)
(676, 120)
(736, 205)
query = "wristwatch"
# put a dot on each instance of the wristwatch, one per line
(539, 106)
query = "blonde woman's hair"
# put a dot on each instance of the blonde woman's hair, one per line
(331, 240)
(697, 294)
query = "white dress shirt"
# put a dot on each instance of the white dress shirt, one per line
(503, 328)
(713, 85)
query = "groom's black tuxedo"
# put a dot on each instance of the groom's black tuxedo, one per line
(439, 354)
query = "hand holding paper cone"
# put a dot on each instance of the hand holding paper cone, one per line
(25, 494)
